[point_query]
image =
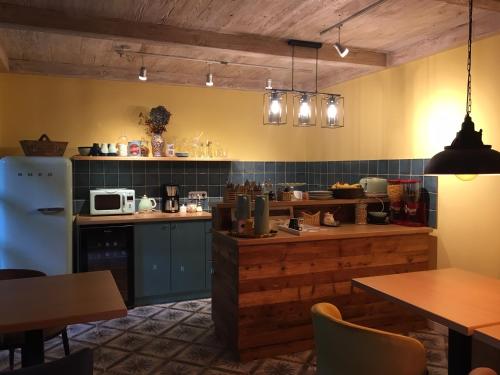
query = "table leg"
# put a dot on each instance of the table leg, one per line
(32, 352)
(459, 353)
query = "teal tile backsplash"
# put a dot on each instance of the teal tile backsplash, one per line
(147, 176)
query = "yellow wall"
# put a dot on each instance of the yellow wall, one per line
(413, 111)
(86, 111)
(410, 111)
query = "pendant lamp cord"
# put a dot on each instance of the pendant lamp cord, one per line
(317, 52)
(293, 58)
(469, 62)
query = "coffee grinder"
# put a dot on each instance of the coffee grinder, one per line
(170, 195)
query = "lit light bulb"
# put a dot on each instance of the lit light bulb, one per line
(466, 177)
(331, 111)
(304, 110)
(274, 108)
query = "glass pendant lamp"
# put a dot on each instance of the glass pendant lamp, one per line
(275, 108)
(304, 109)
(332, 111)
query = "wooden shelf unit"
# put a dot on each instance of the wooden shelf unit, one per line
(146, 158)
(344, 209)
(313, 202)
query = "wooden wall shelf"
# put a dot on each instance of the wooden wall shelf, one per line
(312, 202)
(145, 158)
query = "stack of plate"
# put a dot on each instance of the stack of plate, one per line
(320, 194)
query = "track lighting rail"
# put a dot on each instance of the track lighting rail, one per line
(123, 51)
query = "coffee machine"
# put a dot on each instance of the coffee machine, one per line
(170, 195)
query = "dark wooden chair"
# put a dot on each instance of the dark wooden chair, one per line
(11, 341)
(79, 363)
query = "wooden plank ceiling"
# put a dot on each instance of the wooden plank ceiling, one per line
(178, 39)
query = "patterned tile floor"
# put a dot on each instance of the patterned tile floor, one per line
(178, 338)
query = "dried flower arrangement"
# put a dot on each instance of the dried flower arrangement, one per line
(157, 120)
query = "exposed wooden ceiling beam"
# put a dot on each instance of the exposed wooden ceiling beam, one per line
(4, 60)
(113, 29)
(125, 74)
(486, 26)
(493, 5)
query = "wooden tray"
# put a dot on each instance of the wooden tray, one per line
(272, 233)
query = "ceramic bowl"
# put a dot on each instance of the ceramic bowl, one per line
(378, 217)
(84, 151)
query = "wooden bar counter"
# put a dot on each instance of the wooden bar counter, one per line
(263, 289)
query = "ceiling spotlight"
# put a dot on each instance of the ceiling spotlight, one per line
(269, 84)
(341, 50)
(143, 74)
(210, 80)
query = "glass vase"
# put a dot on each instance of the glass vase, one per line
(157, 144)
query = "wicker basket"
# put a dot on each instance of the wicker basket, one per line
(230, 194)
(43, 147)
(312, 219)
(285, 196)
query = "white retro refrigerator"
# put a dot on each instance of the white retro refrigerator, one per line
(36, 212)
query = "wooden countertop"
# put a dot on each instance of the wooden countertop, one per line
(327, 233)
(141, 218)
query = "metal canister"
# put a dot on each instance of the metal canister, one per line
(261, 225)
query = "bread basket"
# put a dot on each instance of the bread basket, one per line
(43, 147)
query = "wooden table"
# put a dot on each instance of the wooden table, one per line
(461, 300)
(489, 335)
(30, 305)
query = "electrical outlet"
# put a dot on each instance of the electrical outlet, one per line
(197, 195)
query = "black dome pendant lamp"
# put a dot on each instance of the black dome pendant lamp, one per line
(467, 156)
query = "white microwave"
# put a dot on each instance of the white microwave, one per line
(112, 201)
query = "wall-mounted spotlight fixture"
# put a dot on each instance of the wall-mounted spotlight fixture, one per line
(210, 78)
(343, 51)
(143, 73)
(269, 84)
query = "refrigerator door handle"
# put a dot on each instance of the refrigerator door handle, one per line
(51, 210)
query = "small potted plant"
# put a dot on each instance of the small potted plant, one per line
(156, 124)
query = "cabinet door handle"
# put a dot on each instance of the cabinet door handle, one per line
(51, 210)
(173, 226)
(182, 268)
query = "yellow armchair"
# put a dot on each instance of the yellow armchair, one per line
(343, 348)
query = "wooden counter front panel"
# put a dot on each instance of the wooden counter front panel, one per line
(276, 286)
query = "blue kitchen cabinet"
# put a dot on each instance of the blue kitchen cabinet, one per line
(208, 255)
(152, 260)
(188, 265)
